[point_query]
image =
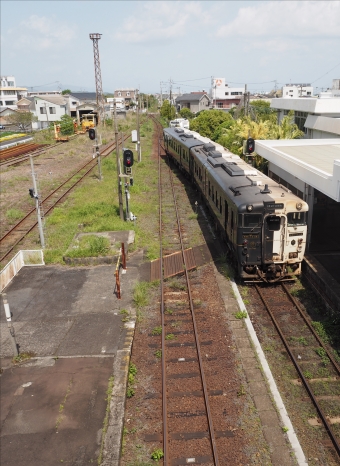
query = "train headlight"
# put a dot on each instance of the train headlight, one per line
(293, 242)
(299, 205)
(249, 208)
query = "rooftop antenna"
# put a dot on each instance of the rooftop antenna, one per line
(98, 76)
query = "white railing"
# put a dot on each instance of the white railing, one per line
(12, 144)
(21, 259)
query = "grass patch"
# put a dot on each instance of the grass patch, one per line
(241, 315)
(23, 357)
(90, 246)
(14, 214)
(156, 331)
(130, 391)
(170, 336)
(141, 294)
(94, 204)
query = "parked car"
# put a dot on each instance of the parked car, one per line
(2, 127)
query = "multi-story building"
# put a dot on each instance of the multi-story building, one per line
(10, 93)
(297, 90)
(318, 118)
(224, 96)
(129, 95)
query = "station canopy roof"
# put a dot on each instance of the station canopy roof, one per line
(314, 161)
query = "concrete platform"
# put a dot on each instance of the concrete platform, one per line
(53, 405)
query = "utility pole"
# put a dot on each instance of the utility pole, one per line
(170, 96)
(161, 94)
(98, 158)
(245, 101)
(120, 194)
(35, 195)
(98, 76)
(139, 154)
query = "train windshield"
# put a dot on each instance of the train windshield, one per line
(273, 223)
(296, 219)
(252, 220)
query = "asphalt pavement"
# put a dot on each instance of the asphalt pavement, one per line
(69, 321)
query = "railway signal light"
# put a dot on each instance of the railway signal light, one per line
(31, 191)
(250, 145)
(127, 158)
(92, 134)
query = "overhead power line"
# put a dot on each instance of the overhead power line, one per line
(326, 73)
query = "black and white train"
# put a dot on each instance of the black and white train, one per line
(263, 222)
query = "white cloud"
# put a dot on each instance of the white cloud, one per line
(39, 32)
(161, 20)
(286, 18)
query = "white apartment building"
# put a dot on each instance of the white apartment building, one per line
(221, 90)
(10, 93)
(297, 90)
(318, 118)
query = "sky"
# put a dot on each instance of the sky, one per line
(145, 44)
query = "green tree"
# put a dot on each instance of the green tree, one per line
(167, 111)
(260, 111)
(66, 125)
(287, 129)
(66, 91)
(185, 113)
(208, 121)
(22, 120)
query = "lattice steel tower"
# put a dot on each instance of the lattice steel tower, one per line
(99, 89)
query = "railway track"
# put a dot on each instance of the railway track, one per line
(316, 368)
(20, 230)
(21, 153)
(206, 435)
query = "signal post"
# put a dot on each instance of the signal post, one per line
(128, 162)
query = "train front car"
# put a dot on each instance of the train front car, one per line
(272, 234)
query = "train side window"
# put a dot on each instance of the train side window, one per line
(216, 199)
(209, 189)
(200, 173)
(220, 205)
(232, 220)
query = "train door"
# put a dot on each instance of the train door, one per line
(273, 238)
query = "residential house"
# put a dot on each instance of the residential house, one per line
(47, 109)
(195, 101)
(129, 95)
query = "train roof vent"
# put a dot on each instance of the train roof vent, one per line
(186, 135)
(179, 130)
(256, 180)
(208, 147)
(233, 169)
(215, 162)
(215, 154)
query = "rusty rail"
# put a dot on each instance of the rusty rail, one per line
(298, 368)
(200, 362)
